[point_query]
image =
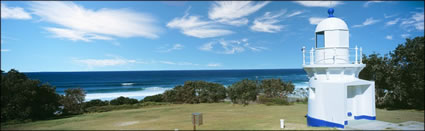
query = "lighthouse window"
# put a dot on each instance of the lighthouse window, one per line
(320, 39)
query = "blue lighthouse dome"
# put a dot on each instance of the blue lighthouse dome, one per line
(331, 12)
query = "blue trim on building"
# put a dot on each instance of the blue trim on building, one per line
(318, 123)
(345, 122)
(365, 117)
(349, 114)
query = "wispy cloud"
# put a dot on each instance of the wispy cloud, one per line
(194, 26)
(415, 21)
(295, 13)
(393, 22)
(367, 4)
(178, 63)
(268, 22)
(315, 20)
(213, 64)
(404, 35)
(14, 13)
(79, 23)
(75, 35)
(319, 3)
(230, 46)
(233, 12)
(4, 50)
(389, 37)
(173, 47)
(389, 16)
(93, 63)
(368, 21)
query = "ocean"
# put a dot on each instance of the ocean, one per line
(107, 85)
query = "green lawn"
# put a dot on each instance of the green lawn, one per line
(216, 116)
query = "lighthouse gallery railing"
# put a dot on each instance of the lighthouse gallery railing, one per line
(333, 55)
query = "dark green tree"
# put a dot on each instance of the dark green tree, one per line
(123, 100)
(23, 98)
(399, 76)
(73, 101)
(243, 91)
(95, 102)
(195, 92)
(276, 88)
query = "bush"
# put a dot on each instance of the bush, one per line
(243, 91)
(23, 98)
(123, 100)
(195, 92)
(276, 88)
(262, 99)
(120, 107)
(154, 98)
(95, 102)
(73, 101)
(399, 76)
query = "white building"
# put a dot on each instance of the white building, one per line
(336, 94)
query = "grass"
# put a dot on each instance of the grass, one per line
(217, 116)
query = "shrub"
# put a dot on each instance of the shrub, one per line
(262, 99)
(123, 100)
(23, 98)
(399, 76)
(73, 101)
(154, 98)
(243, 91)
(95, 102)
(276, 88)
(195, 92)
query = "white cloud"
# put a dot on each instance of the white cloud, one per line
(295, 13)
(233, 12)
(389, 37)
(368, 21)
(174, 47)
(315, 20)
(75, 35)
(319, 3)
(178, 63)
(366, 4)
(395, 21)
(193, 26)
(389, 16)
(13, 12)
(91, 63)
(405, 35)
(4, 50)
(79, 23)
(416, 21)
(213, 64)
(267, 23)
(230, 46)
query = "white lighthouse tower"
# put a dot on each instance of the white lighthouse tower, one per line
(336, 94)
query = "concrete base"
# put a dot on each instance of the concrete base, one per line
(381, 125)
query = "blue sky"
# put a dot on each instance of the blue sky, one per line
(131, 35)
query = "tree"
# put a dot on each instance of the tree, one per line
(276, 88)
(196, 92)
(73, 101)
(23, 98)
(243, 91)
(399, 76)
(123, 100)
(154, 98)
(95, 102)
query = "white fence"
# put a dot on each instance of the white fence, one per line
(333, 55)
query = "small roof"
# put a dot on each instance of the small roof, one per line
(331, 23)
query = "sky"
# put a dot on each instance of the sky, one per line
(159, 35)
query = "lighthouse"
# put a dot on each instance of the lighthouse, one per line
(336, 94)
